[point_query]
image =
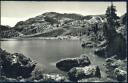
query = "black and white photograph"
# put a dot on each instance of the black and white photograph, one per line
(63, 41)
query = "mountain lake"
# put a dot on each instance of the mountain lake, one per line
(47, 52)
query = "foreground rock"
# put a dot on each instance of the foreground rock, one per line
(41, 78)
(69, 63)
(15, 65)
(120, 74)
(52, 78)
(116, 69)
(78, 73)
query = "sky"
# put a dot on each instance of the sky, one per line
(15, 11)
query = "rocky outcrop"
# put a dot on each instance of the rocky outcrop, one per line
(78, 73)
(115, 42)
(15, 65)
(116, 46)
(113, 35)
(116, 69)
(52, 78)
(121, 75)
(69, 63)
(43, 78)
(94, 35)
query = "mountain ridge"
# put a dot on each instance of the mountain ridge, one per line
(51, 20)
(48, 24)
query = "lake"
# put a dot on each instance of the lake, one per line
(48, 52)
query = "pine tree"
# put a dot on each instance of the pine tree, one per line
(110, 26)
(111, 15)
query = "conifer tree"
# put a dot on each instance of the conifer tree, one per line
(109, 29)
(111, 15)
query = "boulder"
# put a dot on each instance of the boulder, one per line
(69, 63)
(14, 65)
(52, 78)
(116, 69)
(87, 44)
(100, 52)
(78, 73)
(120, 74)
(114, 63)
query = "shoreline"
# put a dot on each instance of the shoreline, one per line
(42, 38)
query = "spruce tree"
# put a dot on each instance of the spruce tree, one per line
(111, 15)
(110, 26)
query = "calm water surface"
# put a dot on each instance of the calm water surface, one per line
(47, 52)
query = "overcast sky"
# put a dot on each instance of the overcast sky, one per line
(14, 11)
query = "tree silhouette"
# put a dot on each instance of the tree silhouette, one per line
(111, 15)
(111, 18)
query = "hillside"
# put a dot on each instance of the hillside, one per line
(52, 24)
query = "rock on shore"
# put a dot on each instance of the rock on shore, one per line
(79, 68)
(78, 73)
(53, 78)
(14, 65)
(69, 63)
(116, 69)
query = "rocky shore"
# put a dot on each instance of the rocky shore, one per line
(79, 68)
(116, 68)
(111, 46)
(19, 68)
(43, 38)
